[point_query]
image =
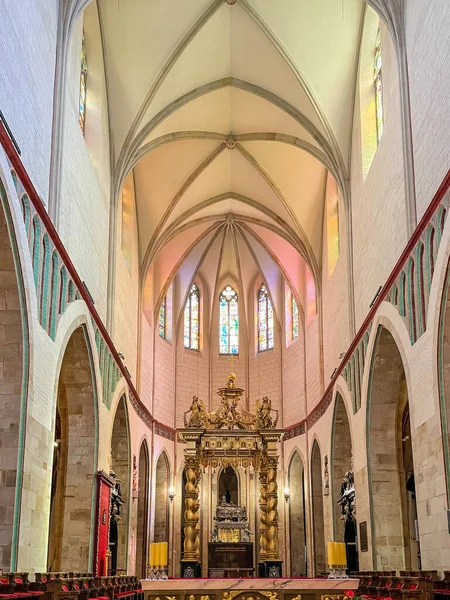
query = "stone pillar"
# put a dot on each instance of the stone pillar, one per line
(190, 563)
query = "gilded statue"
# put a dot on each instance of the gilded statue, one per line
(198, 414)
(264, 418)
(228, 415)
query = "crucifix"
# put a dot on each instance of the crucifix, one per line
(231, 360)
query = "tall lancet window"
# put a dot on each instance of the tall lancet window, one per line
(378, 83)
(228, 321)
(83, 87)
(294, 312)
(192, 319)
(162, 319)
(265, 320)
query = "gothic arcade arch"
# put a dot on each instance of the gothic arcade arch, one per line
(297, 516)
(341, 460)
(162, 478)
(74, 459)
(120, 464)
(13, 383)
(390, 460)
(142, 512)
(317, 510)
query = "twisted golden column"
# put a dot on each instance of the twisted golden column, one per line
(262, 512)
(272, 552)
(191, 513)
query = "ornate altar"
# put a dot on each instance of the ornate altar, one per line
(230, 524)
(232, 436)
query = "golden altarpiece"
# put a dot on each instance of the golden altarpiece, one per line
(231, 437)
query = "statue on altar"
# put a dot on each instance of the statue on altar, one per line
(228, 415)
(198, 414)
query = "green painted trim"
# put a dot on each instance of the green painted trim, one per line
(54, 294)
(25, 378)
(369, 463)
(442, 399)
(45, 281)
(36, 250)
(421, 304)
(96, 443)
(63, 289)
(410, 292)
(26, 214)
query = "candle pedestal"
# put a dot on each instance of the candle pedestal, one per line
(155, 573)
(338, 572)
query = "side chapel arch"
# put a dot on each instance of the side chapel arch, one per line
(297, 516)
(74, 460)
(162, 478)
(142, 512)
(390, 460)
(317, 510)
(13, 381)
(120, 464)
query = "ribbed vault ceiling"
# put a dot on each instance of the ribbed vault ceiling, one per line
(230, 114)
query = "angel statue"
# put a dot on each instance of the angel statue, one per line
(198, 415)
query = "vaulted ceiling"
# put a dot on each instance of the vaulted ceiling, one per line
(230, 113)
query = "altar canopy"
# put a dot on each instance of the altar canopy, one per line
(243, 446)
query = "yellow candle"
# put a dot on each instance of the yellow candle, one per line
(158, 554)
(343, 555)
(152, 555)
(164, 553)
(331, 554)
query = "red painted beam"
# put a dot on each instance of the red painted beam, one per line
(34, 197)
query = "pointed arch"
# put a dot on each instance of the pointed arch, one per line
(142, 511)
(297, 516)
(317, 510)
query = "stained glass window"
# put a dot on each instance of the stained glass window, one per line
(83, 84)
(265, 320)
(162, 319)
(294, 308)
(378, 83)
(228, 322)
(192, 319)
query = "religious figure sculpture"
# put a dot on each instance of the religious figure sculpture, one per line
(198, 414)
(347, 496)
(228, 415)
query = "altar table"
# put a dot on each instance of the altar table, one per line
(248, 589)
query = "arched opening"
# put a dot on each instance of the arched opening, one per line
(317, 512)
(344, 524)
(297, 517)
(120, 465)
(74, 460)
(228, 486)
(142, 512)
(391, 469)
(13, 382)
(161, 528)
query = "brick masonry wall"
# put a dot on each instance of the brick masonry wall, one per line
(378, 204)
(27, 70)
(427, 40)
